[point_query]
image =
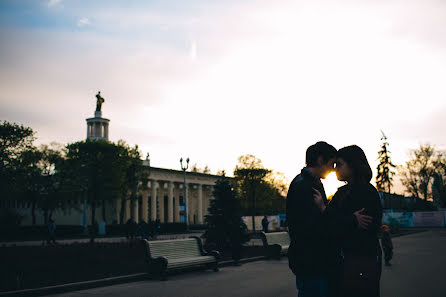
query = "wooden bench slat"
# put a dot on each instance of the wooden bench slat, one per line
(179, 253)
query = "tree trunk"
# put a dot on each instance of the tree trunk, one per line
(139, 201)
(103, 210)
(253, 208)
(45, 216)
(93, 222)
(33, 213)
(121, 213)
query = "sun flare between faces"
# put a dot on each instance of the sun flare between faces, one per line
(331, 184)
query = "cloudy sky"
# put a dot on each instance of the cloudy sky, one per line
(213, 80)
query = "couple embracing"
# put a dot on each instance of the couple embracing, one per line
(334, 248)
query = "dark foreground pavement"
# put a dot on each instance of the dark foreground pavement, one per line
(418, 270)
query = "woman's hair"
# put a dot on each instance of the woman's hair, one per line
(355, 158)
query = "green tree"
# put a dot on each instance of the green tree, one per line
(384, 176)
(94, 171)
(29, 173)
(438, 190)
(439, 181)
(49, 195)
(225, 227)
(261, 190)
(15, 140)
(418, 172)
(249, 175)
(30, 177)
(136, 176)
(195, 168)
(277, 185)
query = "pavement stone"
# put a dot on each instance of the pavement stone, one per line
(418, 270)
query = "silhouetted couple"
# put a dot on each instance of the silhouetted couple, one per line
(334, 247)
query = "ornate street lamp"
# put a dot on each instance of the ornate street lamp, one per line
(184, 168)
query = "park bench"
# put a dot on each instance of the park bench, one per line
(276, 243)
(164, 255)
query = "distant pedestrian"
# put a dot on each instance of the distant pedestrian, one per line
(265, 224)
(51, 231)
(152, 230)
(130, 229)
(142, 229)
(386, 243)
(158, 226)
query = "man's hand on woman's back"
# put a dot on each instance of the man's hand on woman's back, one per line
(363, 220)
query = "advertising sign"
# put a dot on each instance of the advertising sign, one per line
(415, 219)
(428, 219)
(403, 219)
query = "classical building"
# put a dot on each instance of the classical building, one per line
(162, 197)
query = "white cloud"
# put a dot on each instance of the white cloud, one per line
(53, 3)
(83, 22)
(262, 79)
(193, 50)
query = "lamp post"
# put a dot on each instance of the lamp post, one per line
(184, 168)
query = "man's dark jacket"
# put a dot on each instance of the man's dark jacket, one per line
(307, 254)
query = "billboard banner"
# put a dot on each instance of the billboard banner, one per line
(428, 219)
(403, 219)
(415, 219)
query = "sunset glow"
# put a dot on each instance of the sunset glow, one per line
(216, 80)
(331, 184)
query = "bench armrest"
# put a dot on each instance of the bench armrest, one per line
(200, 245)
(156, 266)
(147, 255)
(214, 253)
(161, 259)
(264, 240)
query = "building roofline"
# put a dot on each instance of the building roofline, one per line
(188, 172)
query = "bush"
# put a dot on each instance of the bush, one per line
(38, 232)
(26, 267)
(173, 227)
(197, 227)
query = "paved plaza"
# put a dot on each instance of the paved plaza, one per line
(418, 270)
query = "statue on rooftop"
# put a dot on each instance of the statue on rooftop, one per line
(99, 101)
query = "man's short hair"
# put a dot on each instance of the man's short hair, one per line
(319, 149)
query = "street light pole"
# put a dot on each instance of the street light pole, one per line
(184, 168)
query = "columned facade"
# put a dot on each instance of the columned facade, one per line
(97, 127)
(163, 197)
(170, 209)
(200, 204)
(153, 210)
(145, 205)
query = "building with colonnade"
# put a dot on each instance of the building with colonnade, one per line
(162, 197)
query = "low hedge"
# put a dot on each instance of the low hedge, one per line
(40, 232)
(27, 267)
